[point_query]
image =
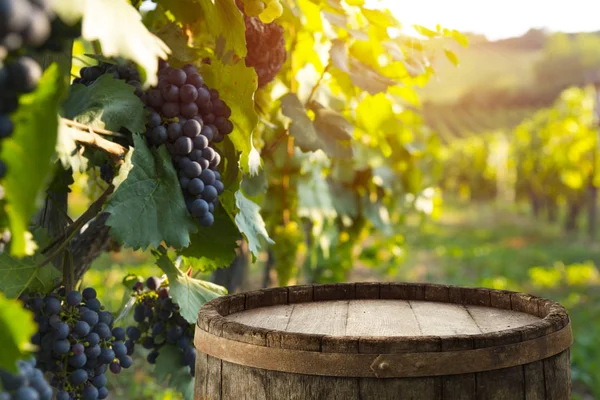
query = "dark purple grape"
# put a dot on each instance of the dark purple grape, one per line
(130, 344)
(184, 181)
(77, 361)
(196, 154)
(52, 305)
(89, 293)
(189, 110)
(209, 118)
(89, 316)
(199, 208)
(182, 163)
(106, 356)
(61, 331)
(153, 120)
(62, 395)
(214, 94)
(103, 331)
(200, 142)
(192, 169)
(53, 320)
(203, 98)
(78, 376)
(74, 298)
(195, 187)
(148, 343)
(23, 75)
(218, 137)
(99, 380)
(119, 349)
(208, 153)
(119, 333)
(170, 93)
(174, 131)
(189, 356)
(92, 339)
(89, 393)
(152, 357)
(177, 77)
(155, 99)
(184, 145)
(126, 361)
(215, 161)
(192, 128)
(93, 351)
(207, 220)
(102, 393)
(153, 283)
(115, 367)
(208, 177)
(93, 304)
(81, 328)
(170, 109)
(189, 69)
(195, 79)
(204, 163)
(106, 317)
(188, 93)
(61, 346)
(210, 193)
(219, 186)
(77, 349)
(221, 109)
(158, 135)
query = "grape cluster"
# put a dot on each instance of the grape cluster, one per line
(24, 24)
(159, 322)
(128, 73)
(188, 118)
(266, 49)
(77, 343)
(27, 384)
(267, 10)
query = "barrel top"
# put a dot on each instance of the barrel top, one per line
(379, 317)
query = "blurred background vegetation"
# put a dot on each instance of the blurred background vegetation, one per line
(510, 203)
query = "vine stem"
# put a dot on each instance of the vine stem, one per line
(76, 226)
(317, 84)
(91, 136)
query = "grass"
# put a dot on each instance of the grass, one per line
(503, 248)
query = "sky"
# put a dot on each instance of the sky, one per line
(498, 19)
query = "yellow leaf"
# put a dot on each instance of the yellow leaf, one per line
(425, 31)
(451, 56)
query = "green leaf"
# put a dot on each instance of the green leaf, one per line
(250, 223)
(189, 293)
(16, 275)
(28, 154)
(107, 103)
(173, 36)
(148, 206)
(169, 369)
(301, 127)
(16, 329)
(68, 151)
(236, 85)
(118, 26)
(185, 11)
(451, 56)
(223, 18)
(213, 247)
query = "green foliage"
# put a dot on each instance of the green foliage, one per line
(188, 293)
(16, 275)
(24, 184)
(119, 29)
(16, 328)
(169, 369)
(250, 223)
(107, 103)
(147, 206)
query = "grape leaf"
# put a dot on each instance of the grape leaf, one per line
(107, 103)
(185, 11)
(68, 151)
(118, 26)
(16, 329)
(236, 85)
(28, 154)
(301, 127)
(148, 206)
(168, 367)
(174, 37)
(213, 247)
(189, 293)
(250, 223)
(223, 18)
(16, 275)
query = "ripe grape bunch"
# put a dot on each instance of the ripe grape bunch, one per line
(159, 323)
(24, 24)
(189, 118)
(77, 343)
(128, 73)
(27, 384)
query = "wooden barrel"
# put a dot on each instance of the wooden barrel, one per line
(382, 341)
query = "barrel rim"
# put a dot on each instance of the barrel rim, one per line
(211, 317)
